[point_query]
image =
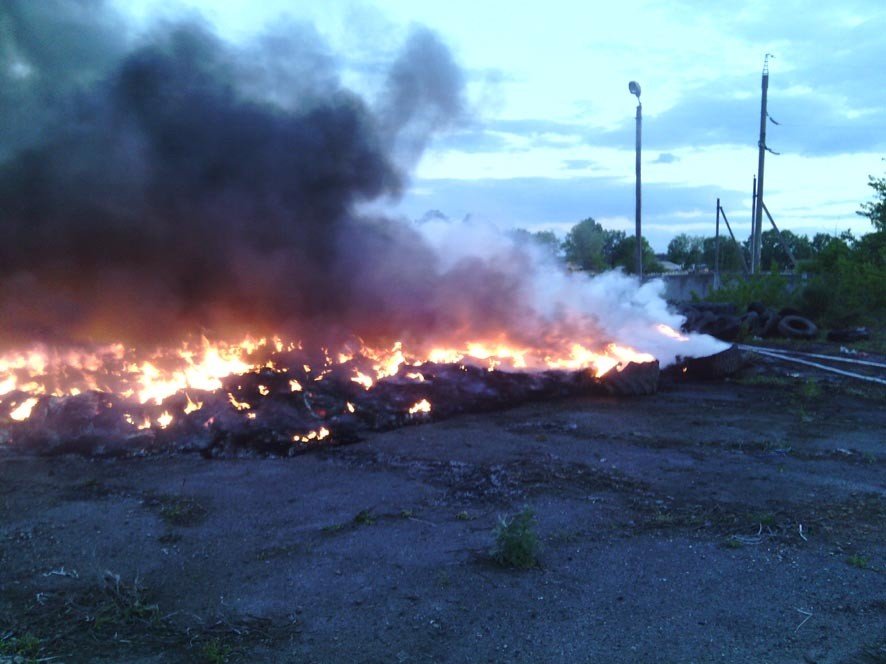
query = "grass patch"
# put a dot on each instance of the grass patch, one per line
(181, 511)
(861, 562)
(215, 651)
(176, 510)
(765, 519)
(364, 518)
(809, 390)
(118, 621)
(120, 602)
(27, 646)
(361, 518)
(516, 542)
(764, 380)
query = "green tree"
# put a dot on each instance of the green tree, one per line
(772, 249)
(549, 240)
(624, 256)
(876, 209)
(583, 246)
(611, 242)
(686, 250)
(545, 239)
(730, 254)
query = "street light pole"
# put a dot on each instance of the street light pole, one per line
(634, 89)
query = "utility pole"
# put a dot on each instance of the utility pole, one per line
(758, 211)
(634, 89)
(717, 250)
(753, 243)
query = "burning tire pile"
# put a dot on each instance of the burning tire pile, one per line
(173, 193)
(260, 412)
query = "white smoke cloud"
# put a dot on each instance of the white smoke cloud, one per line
(612, 307)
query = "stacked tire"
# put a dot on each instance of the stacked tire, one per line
(724, 322)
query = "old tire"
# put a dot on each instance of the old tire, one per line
(757, 307)
(769, 323)
(718, 365)
(725, 328)
(634, 380)
(797, 327)
(751, 322)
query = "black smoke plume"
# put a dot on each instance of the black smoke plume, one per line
(177, 184)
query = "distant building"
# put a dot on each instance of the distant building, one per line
(668, 266)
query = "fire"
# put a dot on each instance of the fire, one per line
(204, 366)
(23, 410)
(362, 379)
(192, 405)
(239, 405)
(319, 434)
(423, 406)
(144, 424)
(670, 332)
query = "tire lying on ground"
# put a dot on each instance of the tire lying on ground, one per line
(769, 323)
(757, 307)
(797, 327)
(725, 328)
(750, 322)
(719, 365)
(635, 379)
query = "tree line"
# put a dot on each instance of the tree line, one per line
(589, 246)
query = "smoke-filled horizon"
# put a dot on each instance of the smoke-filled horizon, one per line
(182, 185)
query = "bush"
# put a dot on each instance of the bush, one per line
(770, 289)
(847, 282)
(516, 544)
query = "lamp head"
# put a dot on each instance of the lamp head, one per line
(634, 89)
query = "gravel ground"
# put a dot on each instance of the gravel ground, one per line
(736, 521)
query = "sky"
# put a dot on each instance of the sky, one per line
(548, 137)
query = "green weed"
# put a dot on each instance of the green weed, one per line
(516, 542)
(215, 651)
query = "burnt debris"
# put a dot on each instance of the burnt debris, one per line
(260, 413)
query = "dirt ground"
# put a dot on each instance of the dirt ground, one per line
(732, 521)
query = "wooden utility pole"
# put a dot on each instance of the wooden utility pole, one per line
(717, 250)
(638, 257)
(758, 212)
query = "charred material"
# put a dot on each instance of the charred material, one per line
(285, 412)
(718, 365)
(636, 379)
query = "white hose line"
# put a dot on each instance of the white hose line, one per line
(788, 358)
(849, 360)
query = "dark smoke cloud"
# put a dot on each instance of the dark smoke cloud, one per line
(182, 184)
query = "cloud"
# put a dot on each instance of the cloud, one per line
(666, 158)
(578, 164)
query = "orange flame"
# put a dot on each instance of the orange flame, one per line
(155, 376)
